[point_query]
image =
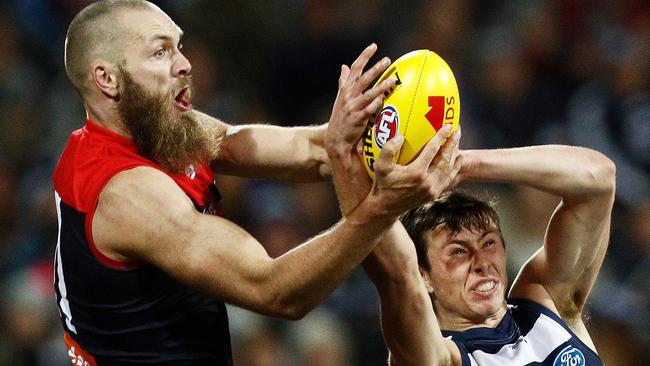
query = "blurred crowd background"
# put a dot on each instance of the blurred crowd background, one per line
(530, 72)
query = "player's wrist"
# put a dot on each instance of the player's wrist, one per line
(372, 209)
(338, 148)
(470, 161)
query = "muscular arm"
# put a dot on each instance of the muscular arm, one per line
(270, 152)
(408, 321)
(561, 274)
(409, 324)
(143, 215)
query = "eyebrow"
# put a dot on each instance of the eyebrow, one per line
(467, 242)
(166, 37)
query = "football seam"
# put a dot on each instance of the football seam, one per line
(408, 120)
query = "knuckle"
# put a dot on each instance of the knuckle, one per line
(419, 179)
(433, 192)
(381, 169)
(380, 166)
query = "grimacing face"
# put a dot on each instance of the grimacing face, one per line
(468, 278)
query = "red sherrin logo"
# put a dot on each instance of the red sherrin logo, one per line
(436, 113)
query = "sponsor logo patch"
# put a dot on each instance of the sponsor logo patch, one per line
(569, 356)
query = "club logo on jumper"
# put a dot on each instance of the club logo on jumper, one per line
(387, 125)
(569, 356)
(77, 359)
(190, 172)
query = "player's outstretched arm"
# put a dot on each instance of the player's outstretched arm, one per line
(409, 324)
(273, 152)
(410, 328)
(408, 321)
(268, 152)
(291, 153)
(143, 215)
(562, 273)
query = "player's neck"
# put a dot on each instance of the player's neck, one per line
(107, 117)
(460, 322)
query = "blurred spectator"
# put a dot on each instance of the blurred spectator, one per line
(28, 318)
(305, 67)
(621, 300)
(8, 209)
(512, 101)
(210, 95)
(263, 347)
(321, 339)
(20, 85)
(611, 113)
(536, 71)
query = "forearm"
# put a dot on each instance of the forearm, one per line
(274, 152)
(578, 231)
(410, 327)
(570, 172)
(303, 277)
(351, 182)
(409, 324)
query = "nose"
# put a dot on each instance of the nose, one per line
(481, 263)
(182, 66)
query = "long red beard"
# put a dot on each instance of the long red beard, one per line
(169, 137)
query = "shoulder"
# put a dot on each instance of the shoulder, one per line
(137, 208)
(530, 284)
(143, 188)
(88, 162)
(529, 313)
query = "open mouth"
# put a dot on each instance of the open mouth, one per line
(182, 100)
(485, 288)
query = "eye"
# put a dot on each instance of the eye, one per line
(489, 243)
(160, 53)
(457, 252)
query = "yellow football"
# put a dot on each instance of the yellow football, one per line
(424, 98)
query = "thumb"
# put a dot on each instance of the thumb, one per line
(388, 152)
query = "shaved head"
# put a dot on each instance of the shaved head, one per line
(97, 33)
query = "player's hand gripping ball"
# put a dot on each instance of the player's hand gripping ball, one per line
(425, 97)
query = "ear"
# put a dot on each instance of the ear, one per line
(105, 77)
(427, 280)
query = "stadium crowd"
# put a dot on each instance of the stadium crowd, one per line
(530, 72)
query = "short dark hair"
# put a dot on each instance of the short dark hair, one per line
(456, 209)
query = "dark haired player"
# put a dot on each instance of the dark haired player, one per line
(443, 299)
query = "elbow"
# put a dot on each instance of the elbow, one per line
(611, 178)
(290, 307)
(400, 269)
(408, 278)
(281, 305)
(600, 175)
(290, 312)
(297, 313)
(606, 175)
